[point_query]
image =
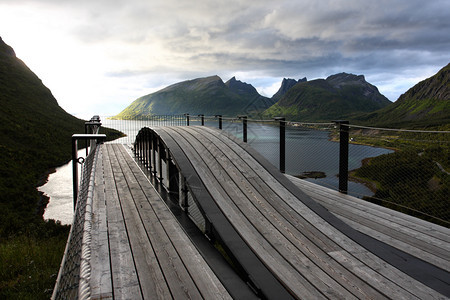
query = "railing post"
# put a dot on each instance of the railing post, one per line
(75, 137)
(244, 128)
(220, 121)
(202, 117)
(94, 125)
(343, 155)
(75, 171)
(184, 199)
(154, 145)
(187, 119)
(282, 143)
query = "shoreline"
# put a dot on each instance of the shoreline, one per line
(369, 184)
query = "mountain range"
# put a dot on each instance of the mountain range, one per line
(208, 96)
(339, 96)
(318, 100)
(425, 104)
(335, 97)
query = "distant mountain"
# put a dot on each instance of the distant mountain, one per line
(425, 104)
(336, 97)
(208, 96)
(286, 85)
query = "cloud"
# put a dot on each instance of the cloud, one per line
(156, 43)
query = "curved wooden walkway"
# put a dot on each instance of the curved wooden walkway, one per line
(282, 243)
(422, 239)
(139, 251)
(310, 252)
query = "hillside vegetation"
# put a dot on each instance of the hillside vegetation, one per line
(208, 96)
(35, 137)
(336, 97)
(427, 104)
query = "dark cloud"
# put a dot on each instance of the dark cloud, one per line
(168, 40)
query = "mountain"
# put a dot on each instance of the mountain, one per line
(336, 97)
(208, 96)
(286, 85)
(35, 136)
(425, 104)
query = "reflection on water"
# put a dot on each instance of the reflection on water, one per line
(306, 150)
(59, 189)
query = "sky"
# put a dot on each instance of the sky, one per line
(97, 56)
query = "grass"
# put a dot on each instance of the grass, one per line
(409, 179)
(35, 137)
(29, 263)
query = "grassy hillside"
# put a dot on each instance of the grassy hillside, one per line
(336, 97)
(35, 136)
(208, 96)
(427, 104)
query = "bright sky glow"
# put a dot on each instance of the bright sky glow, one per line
(97, 56)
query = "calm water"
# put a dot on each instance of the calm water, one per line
(306, 150)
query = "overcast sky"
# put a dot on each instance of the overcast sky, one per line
(97, 56)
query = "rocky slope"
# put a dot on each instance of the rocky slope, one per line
(425, 104)
(208, 96)
(339, 96)
(286, 85)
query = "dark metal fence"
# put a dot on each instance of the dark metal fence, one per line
(74, 275)
(391, 167)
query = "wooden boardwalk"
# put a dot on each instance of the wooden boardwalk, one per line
(422, 239)
(139, 250)
(282, 242)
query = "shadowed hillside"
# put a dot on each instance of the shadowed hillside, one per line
(209, 96)
(336, 97)
(35, 136)
(425, 104)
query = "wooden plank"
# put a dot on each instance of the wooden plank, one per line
(152, 236)
(418, 225)
(124, 275)
(152, 281)
(206, 281)
(259, 276)
(368, 221)
(393, 282)
(257, 240)
(101, 280)
(297, 248)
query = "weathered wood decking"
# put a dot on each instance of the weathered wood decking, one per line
(422, 239)
(139, 250)
(289, 245)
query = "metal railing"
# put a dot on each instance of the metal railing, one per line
(345, 157)
(74, 274)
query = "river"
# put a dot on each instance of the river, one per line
(307, 150)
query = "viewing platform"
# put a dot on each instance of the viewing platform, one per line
(193, 212)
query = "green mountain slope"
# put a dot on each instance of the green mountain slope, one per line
(35, 136)
(209, 96)
(286, 85)
(336, 97)
(425, 104)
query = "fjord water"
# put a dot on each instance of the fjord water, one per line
(307, 150)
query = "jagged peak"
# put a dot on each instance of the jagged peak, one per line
(6, 49)
(239, 86)
(340, 79)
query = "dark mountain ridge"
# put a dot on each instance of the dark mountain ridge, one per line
(35, 136)
(336, 97)
(286, 85)
(425, 104)
(208, 95)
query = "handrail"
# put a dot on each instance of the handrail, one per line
(75, 271)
